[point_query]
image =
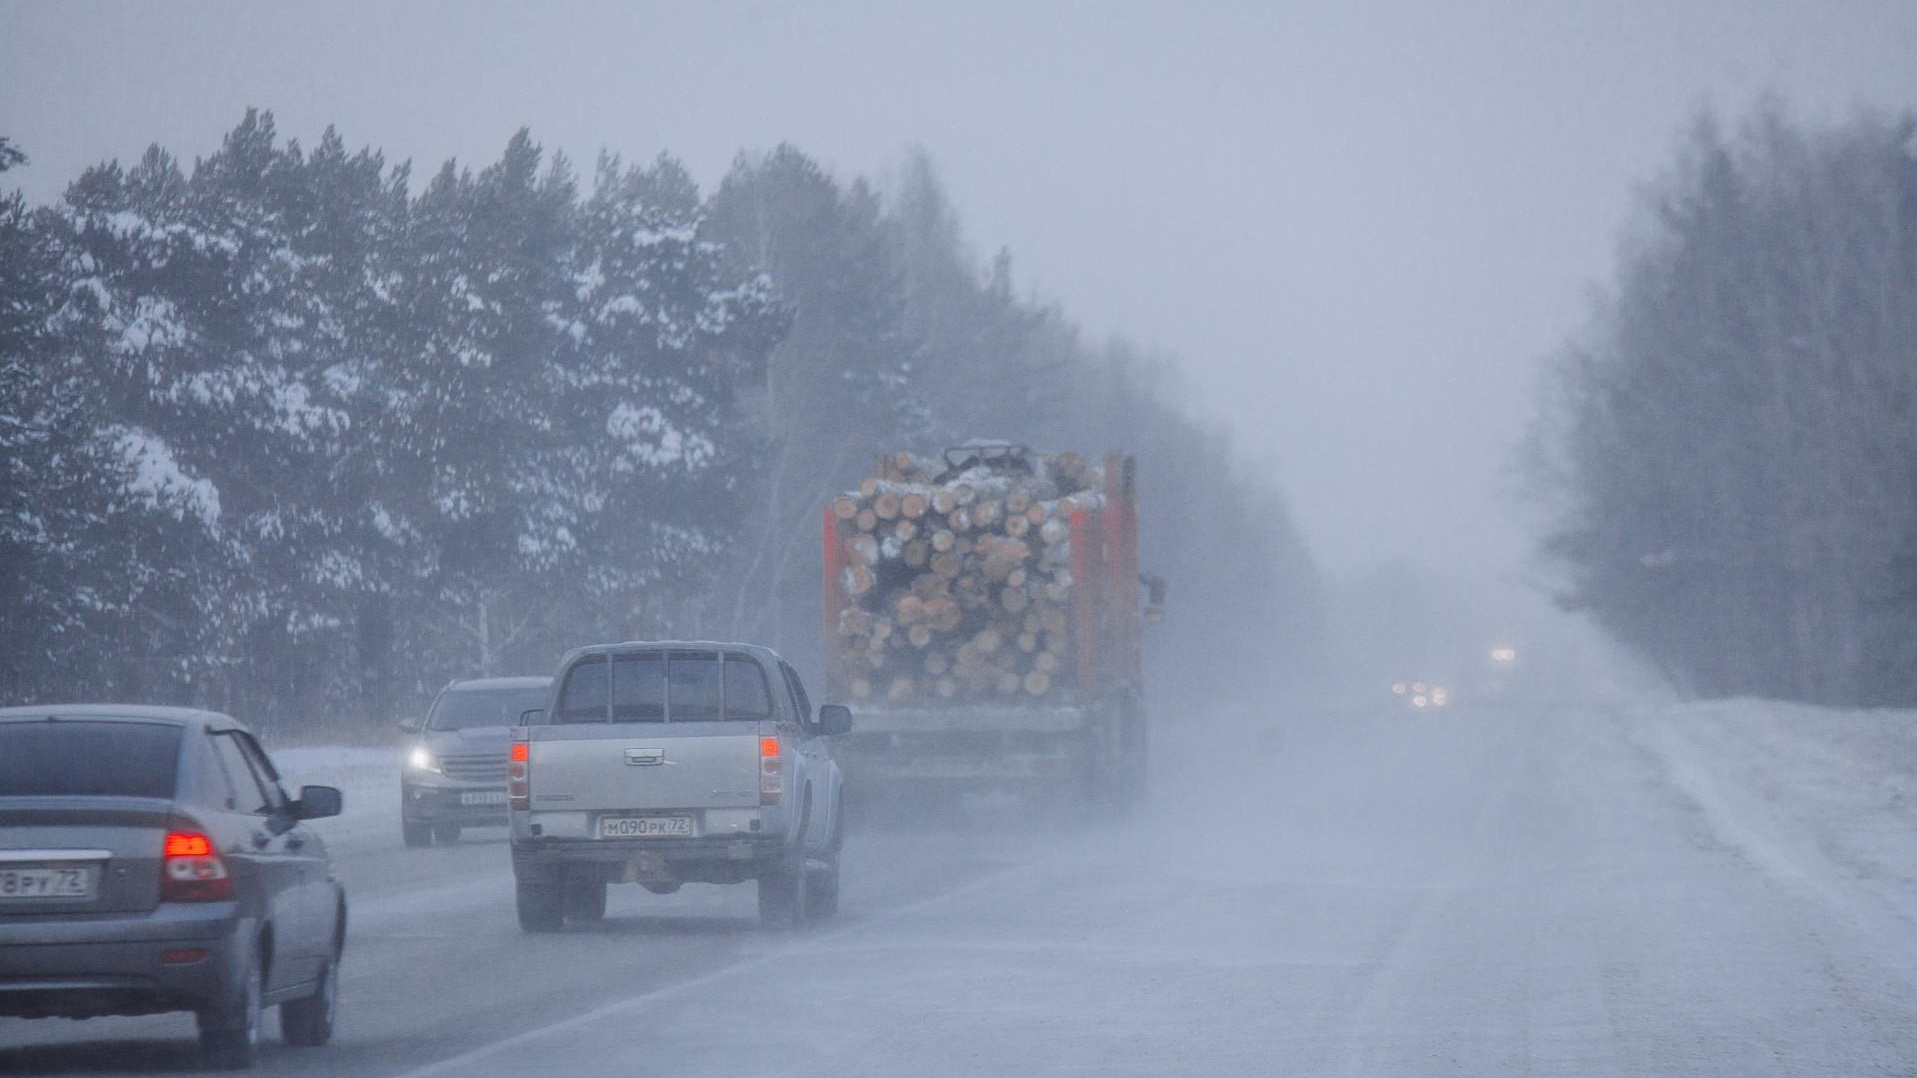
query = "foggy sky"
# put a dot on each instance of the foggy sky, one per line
(1362, 225)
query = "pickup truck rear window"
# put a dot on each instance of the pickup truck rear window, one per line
(639, 688)
(656, 686)
(746, 694)
(88, 759)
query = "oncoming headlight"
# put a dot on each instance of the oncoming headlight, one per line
(421, 760)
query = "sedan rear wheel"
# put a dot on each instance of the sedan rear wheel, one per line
(308, 1023)
(230, 1026)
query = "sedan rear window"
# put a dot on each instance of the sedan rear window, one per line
(65, 758)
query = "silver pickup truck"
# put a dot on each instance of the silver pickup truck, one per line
(665, 763)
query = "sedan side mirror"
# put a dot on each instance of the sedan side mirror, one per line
(834, 719)
(318, 802)
(409, 726)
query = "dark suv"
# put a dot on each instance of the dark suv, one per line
(150, 861)
(454, 772)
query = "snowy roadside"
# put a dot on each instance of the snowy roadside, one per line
(368, 777)
(1824, 801)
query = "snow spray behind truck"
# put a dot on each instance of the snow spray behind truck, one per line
(983, 614)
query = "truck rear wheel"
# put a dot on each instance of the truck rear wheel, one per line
(822, 879)
(540, 901)
(782, 897)
(822, 891)
(585, 899)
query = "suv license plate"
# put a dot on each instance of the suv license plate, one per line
(644, 826)
(46, 883)
(483, 797)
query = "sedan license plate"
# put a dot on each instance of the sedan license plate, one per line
(645, 826)
(483, 797)
(46, 883)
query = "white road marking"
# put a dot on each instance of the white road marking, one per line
(454, 1064)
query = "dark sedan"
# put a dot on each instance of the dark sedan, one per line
(150, 861)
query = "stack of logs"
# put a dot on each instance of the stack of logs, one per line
(959, 589)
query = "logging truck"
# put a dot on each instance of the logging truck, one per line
(983, 614)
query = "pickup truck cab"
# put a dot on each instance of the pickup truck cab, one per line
(666, 763)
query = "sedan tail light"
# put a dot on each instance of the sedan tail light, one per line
(191, 869)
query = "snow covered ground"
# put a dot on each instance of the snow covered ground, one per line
(367, 777)
(1721, 889)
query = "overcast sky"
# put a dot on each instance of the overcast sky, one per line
(1362, 225)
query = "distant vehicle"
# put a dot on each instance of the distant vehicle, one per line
(454, 772)
(667, 763)
(985, 613)
(151, 862)
(1421, 695)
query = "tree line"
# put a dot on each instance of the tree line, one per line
(1729, 449)
(292, 434)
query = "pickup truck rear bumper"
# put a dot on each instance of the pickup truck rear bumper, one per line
(642, 859)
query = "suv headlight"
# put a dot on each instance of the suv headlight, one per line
(422, 760)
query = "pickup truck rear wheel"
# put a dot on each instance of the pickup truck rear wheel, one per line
(822, 877)
(541, 902)
(585, 899)
(782, 895)
(822, 890)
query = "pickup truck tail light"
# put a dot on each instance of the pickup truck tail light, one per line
(191, 869)
(519, 773)
(771, 771)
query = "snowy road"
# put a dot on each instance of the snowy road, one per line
(1724, 890)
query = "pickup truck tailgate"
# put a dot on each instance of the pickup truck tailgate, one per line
(644, 766)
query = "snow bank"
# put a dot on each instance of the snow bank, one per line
(368, 779)
(1806, 794)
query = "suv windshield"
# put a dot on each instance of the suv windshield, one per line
(656, 686)
(88, 759)
(464, 709)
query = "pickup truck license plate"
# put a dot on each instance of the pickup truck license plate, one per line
(46, 883)
(482, 797)
(644, 826)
